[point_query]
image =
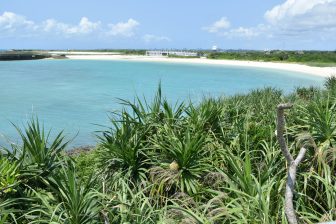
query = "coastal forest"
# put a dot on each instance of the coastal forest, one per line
(311, 58)
(216, 161)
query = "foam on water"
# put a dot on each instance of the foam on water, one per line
(74, 95)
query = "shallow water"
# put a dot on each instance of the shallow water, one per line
(74, 95)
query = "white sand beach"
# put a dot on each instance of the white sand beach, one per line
(318, 71)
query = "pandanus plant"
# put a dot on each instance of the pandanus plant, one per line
(67, 201)
(319, 118)
(37, 156)
(122, 153)
(27, 166)
(185, 161)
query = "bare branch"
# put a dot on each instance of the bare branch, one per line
(291, 173)
(284, 106)
(105, 217)
(280, 130)
(300, 155)
(289, 205)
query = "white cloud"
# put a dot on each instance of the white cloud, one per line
(218, 26)
(243, 32)
(221, 27)
(10, 22)
(123, 28)
(153, 38)
(293, 20)
(303, 15)
(85, 26)
(49, 25)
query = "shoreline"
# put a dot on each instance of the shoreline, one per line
(317, 71)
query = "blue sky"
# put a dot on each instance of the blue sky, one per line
(239, 24)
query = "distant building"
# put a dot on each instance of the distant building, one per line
(267, 51)
(162, 53)
(214, 48)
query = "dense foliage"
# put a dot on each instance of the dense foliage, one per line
(215, 162)
(314, 58)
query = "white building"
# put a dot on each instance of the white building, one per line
(161, 53)
(214, 48)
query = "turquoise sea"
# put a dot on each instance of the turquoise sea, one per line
(75, 95)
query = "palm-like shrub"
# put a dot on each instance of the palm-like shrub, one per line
(254, 180)
(131, 205)
(320, 120)
(212, 211)
(78, 201)
(10, 179)
(37, 156)
(306, 93)
(206, 116)
(27, 166)
(9, 175)
(320, 117)
(154, 114)
(330, 83)
(124, 150)
(320, 205)
(68, 200)
(7, 211)
(122, 153)
(185, 161)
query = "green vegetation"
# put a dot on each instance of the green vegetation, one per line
(313, 58)
(215, 162)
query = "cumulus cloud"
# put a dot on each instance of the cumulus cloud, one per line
(153, 38)
(218, 26)
(11, 22)
(123, 28)
(303, 15)
(221, 28)
(243, 32)
(85, 26)
(293, 19)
